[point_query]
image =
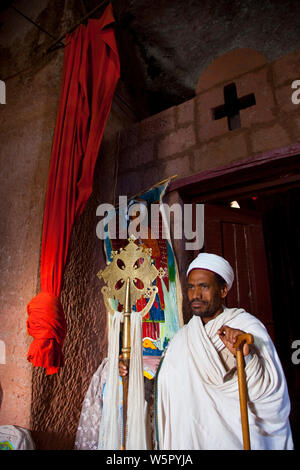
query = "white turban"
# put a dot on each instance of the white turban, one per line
(213, 263)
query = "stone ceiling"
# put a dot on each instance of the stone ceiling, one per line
(164, 45)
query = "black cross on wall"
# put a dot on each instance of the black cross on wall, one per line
(232, 106)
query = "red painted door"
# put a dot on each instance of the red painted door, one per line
(237, 235)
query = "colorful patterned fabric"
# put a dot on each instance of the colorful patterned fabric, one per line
(165, 317)
(6, 445)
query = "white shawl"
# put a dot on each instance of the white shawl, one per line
(100, 425)
(198, 406)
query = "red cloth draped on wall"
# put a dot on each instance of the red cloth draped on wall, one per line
(90, 74)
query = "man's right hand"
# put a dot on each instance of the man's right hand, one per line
(123, 370)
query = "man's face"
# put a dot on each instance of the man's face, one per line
(204, 294)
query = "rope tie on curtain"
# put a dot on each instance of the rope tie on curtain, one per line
(46, 323)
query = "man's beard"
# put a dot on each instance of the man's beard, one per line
(206, 310)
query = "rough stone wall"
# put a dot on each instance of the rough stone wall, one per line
(27, 123)
(185, 139)
(175, 41)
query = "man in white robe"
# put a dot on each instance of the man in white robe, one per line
(197, 398)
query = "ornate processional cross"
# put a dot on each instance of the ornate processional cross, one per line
(131, 265)
(129, 277)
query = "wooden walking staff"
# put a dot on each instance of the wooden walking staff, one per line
(241, 340)
(130, 265)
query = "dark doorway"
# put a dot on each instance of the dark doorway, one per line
(238, 236)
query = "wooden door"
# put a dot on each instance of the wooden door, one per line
(237, 235)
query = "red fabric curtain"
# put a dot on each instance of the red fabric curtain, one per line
(90, 74)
